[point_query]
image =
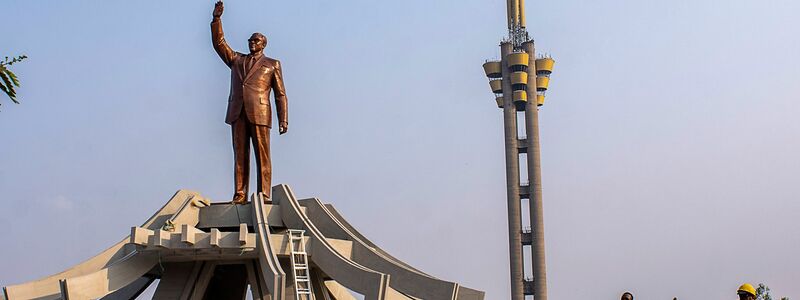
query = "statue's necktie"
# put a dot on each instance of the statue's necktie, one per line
(248, 64)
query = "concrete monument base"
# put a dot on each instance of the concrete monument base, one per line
(290, 249)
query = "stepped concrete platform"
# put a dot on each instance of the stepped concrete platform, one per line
(203, 250)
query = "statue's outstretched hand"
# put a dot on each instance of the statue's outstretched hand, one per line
(218, 8)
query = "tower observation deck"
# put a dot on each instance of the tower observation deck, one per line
(510, 79)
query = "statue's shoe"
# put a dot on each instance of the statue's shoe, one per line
(239, 199)
(266, 198)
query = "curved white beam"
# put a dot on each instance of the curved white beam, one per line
(108, 280)
(272, 276)
(405, 280)
(346, 225)
(131, 291)
(48, 288)
(372, 284)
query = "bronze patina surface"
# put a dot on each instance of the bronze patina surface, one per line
(253, 76)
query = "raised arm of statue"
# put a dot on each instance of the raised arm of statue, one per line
(218, 37)
(280, 99)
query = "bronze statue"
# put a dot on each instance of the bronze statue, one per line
(249, 113)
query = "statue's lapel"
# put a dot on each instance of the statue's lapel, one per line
(256, 66)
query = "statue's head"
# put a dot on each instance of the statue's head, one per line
(257, 42)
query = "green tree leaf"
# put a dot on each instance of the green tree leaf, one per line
(9, 79)
(13, 77)
(9, 88)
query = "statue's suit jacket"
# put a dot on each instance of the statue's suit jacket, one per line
(250, 90)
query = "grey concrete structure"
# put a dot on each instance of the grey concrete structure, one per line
(289, 249)
(535, 181)
(512, 179)
(519, 86)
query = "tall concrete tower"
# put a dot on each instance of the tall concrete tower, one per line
(519, 81)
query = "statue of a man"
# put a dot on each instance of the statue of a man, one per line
(249, 113)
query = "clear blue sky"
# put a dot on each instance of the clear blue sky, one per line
(670, 135)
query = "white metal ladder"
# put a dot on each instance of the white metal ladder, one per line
(302, 277)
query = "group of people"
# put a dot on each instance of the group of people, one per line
(745, 292)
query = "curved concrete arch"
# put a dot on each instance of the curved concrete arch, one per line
(48, 287)
(372, 284)
(272, 276)
(405, 280)
(465, 293)
(338, 216)
(337, 291)
(131, 291)
(108, 280)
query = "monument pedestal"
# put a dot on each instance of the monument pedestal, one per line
(290, 249)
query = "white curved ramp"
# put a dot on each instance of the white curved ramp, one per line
(337, 291)
(272, 276)
(338, 216)
(373, 285)
(131, 291)
(404, 279)
(48, 288)
(108, 280)
(470, 294)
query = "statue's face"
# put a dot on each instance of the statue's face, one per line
(256, 43)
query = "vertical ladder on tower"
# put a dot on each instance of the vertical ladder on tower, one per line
(299, 258)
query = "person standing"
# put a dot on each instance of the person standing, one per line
(249, 113)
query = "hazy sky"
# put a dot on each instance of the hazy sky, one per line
(670, 135)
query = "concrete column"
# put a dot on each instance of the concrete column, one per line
(512, 179)
(535, 180)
